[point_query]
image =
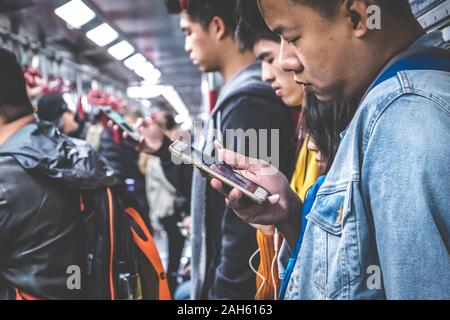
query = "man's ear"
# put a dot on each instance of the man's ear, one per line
(356, 12)
(218, 28)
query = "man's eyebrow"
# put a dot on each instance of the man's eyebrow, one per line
(278, 30)
(263, 55)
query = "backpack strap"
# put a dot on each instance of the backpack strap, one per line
(151, 252)
(23, 296)
(421, 58)
(112, 240)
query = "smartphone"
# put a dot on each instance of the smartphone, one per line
(120, 121)
(222, 172)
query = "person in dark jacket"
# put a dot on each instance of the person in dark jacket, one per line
(41, 174)
(221, 244)
(124, 159)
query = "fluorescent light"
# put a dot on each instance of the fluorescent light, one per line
(148, 72)
(135, 62)
(144, 92)
(143, 68)
(146, 103)
(102, 35)
(121, 50)
(148, 91)
(186, 126)
(75, 13)
(181, 118)
(151, 76)
(172, 96)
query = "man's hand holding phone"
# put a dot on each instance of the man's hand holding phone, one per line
(282, 209)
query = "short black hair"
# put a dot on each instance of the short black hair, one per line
(170, 121)
(328, 7)
(14, 101)
(203, 11)
(325, 121)
(51, 107)
(251, 26)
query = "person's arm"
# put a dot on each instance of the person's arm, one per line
(282, 206)
(180, 176)
(406, 186)
(153, 141)
(234, 279)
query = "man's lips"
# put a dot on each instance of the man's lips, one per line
(278, 91)
(305, 85)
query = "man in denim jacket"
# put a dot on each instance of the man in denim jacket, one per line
(380, 226)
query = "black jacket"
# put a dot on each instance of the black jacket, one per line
(41, 234)
(124, 160)
(249, 104)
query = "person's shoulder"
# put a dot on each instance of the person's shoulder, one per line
(415, 122)
(431, 84)
(9, 166)
(15, 181)
(255, 95)
(257, 110)
(406, 95)
(427, 83)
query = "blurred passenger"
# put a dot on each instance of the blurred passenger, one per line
(124, 159)
(221, 243)
(95, 131)
(53, 108)
(323, 123)
(167, 206)
(41, 174)
(253, 33)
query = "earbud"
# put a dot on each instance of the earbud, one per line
(356, 19)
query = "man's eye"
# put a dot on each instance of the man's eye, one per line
(293, 41)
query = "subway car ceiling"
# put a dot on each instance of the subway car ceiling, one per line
(145, 24)
(148, 28)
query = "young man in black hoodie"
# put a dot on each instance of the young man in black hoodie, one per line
(221, 243)
(41, 173)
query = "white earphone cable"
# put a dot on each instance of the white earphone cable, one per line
(257, 273)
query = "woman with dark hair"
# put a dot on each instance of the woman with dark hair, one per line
(323, 124)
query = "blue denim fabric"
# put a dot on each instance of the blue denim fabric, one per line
(380, 226)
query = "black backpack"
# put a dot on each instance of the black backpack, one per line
(122, 261)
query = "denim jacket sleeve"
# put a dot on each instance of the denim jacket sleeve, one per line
(408, 197)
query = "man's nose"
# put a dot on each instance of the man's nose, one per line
(288, 59)
(187, 45)
(267, 74)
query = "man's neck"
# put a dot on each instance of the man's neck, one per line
(9, 129)
(234, 61)
(405, 35)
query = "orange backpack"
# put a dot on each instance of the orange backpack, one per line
(123, 262)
